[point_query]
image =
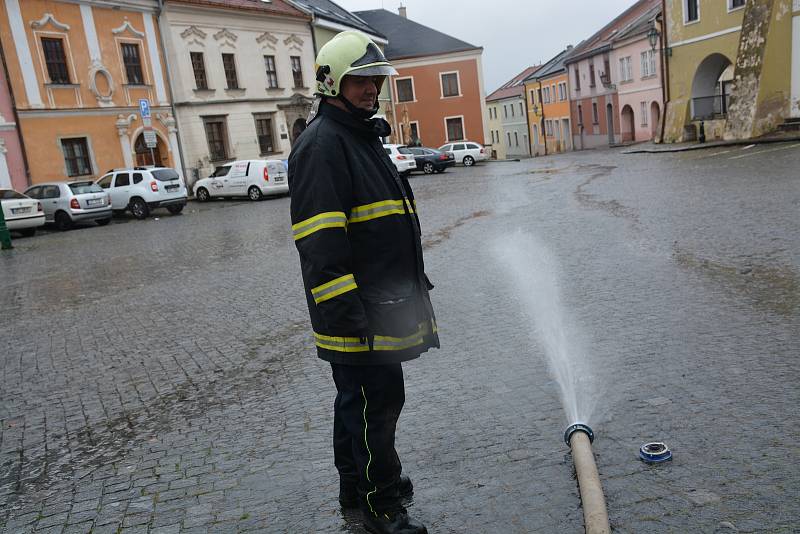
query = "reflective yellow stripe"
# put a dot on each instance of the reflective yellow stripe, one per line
(329, 219)
(334, 288)
(378, 209)
(380, 343)
(341, 344)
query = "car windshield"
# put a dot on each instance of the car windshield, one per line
(404, 150)
(221, 171)
(81, 188)
(164, 175)
(10, 194)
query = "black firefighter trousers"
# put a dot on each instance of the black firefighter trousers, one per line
(368, 405)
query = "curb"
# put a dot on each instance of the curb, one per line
(716, 144)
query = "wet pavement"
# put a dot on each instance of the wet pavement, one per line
(158, 376)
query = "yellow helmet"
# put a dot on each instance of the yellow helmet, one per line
(348, 53)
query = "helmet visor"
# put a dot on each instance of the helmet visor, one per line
(374, 70)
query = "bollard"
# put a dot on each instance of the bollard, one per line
(702, 136)
(5, 235)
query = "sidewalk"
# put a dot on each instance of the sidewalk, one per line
(653, 148)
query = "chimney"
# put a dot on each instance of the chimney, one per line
(402, 11)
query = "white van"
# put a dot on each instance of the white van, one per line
(253, 178)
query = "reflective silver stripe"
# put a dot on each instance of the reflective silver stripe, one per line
(334, 288)
(377, 209)
(331, 219)
(341, 344)
(380, 343)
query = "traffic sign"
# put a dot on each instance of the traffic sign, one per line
(150, 139)
(144, 108)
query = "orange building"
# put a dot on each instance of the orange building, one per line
(553, 88)
(438, 95)
(78, 72)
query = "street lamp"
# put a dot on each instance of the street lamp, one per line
(653, 36)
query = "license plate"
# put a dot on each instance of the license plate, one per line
(278, 179)
(16, 211)
(172, 187)
(94, 202)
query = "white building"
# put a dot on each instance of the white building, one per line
(242, 74)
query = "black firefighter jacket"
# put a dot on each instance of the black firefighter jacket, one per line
(357, 231)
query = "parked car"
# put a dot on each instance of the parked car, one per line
(143, 189)
(252, 178)
(430, 160)
(66, 203)
(22, 214)
(466, 152)
(402, 158)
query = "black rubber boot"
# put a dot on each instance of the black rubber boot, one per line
(348, 495)
(392, 522)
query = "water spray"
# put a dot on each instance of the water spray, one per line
(579, 437)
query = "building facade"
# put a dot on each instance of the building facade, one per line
(77, 72)
(593, 82)
(731, 67)
(438, 95)
(639, 79)
(507, 118)
(13, 174)
(242, 75)
(552, 91)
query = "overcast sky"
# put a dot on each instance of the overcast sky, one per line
(514, 34)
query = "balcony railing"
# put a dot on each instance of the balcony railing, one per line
(710, 107)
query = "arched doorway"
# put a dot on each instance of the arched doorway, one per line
(628, 129)
(711, 87)
(655, 118)
(150, 156)
(610, 124)
(297, 128)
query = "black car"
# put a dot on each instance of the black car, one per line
(431, 160)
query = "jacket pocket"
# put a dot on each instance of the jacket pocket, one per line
(393, 317)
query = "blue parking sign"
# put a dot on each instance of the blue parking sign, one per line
(144, 108)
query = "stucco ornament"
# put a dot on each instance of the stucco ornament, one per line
(46, 19)
(226, 37)
(126, 26)
(97, 69)
(194, 35)
(168, 121)
(294, 42)
(267, 40)
(124, 122)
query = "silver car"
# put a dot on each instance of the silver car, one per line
(66, 203)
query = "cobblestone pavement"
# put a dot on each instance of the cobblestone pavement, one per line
(159, 376)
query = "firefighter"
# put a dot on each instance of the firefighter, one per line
(356, 228)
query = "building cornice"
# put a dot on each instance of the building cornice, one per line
(147, 6)
(194, 6)
(419, 61)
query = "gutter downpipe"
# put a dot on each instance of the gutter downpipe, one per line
(595, 517)
(664, 69)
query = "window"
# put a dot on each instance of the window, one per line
(512, 109)
(548, 128)
(51, 191)
(595, 116)
(521, 111)
(533, 97)
(450, 84)
(414, 131)
(644, 113)
(297, 72)
(592, 82)
(580, 115)
(577, 79)
(405, 89)
(264, 134)
(229, 64)
(55, 59)
(76, 156)
(735, 4)
(473, 146)
(562, 91)
(455, 129)
(648, 63)
(215, 134)
(133, 63)
(606, 71)
(691, 10)
(123, 179)
(626, 68)
(505, 111)
(105, 182)
(272, 72)
(516, 139)
(459, 147)
(509, 138)
(137, 178)
(199, 68)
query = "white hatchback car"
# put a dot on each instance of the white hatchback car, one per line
(402, 158)
(22, 214)
(465, 152)
(252, 178)
(142, 189)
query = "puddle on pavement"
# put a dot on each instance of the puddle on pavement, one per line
(444, 233)
(774, 288)
(589, 200)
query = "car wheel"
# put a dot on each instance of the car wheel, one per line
(469, 161)
(175, 210)
(63, 221)
(202, 195)
(139, 208)
(103, 222)
(428, 168)
(28, 232)
(254, 193)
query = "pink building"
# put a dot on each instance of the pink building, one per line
(639, 79)
(12, 164)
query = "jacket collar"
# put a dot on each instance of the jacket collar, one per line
(371, 128)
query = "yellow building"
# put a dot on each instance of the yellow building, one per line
(77, 72)
(729, 67)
